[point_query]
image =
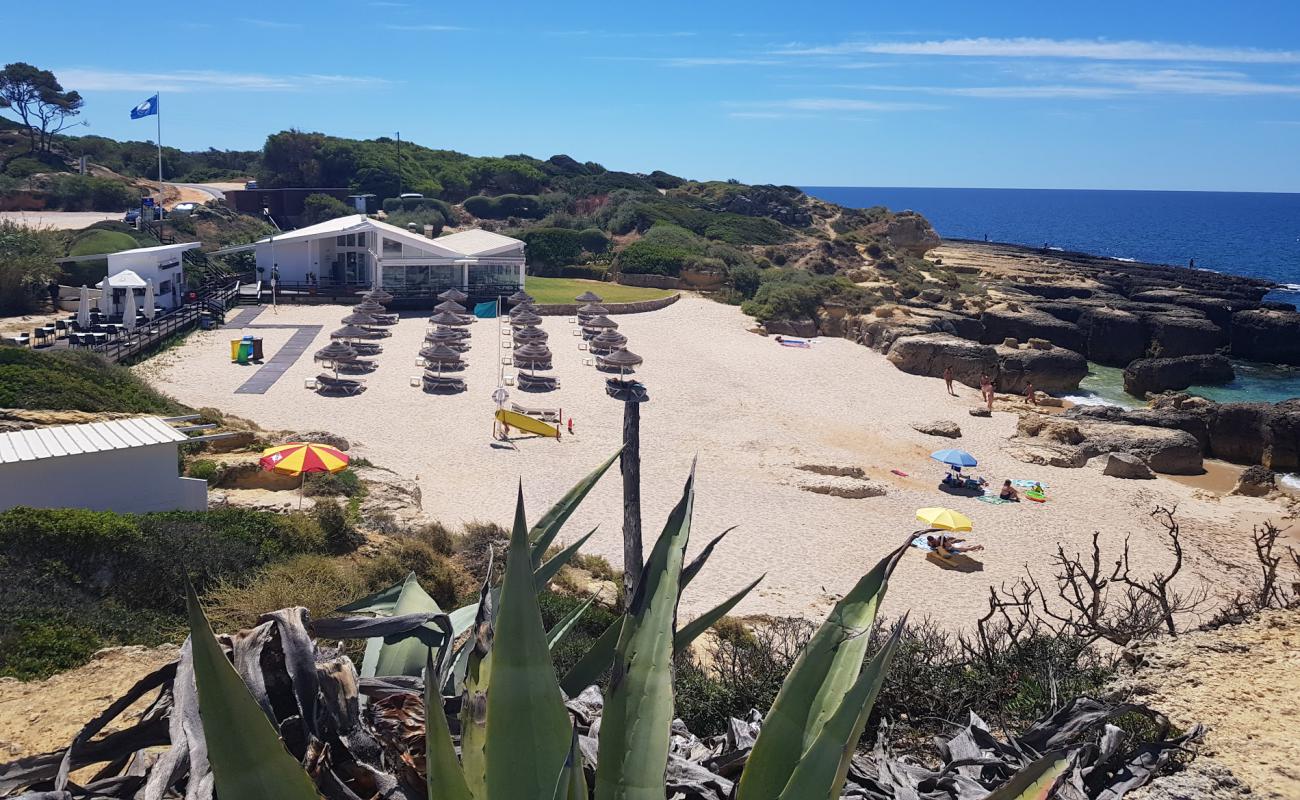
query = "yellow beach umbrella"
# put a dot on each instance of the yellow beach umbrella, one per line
(299, 458)
(944, 519)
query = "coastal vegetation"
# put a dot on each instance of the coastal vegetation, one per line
(75, 380)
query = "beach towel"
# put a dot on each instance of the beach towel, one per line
(921, 544)
(1024, 484)
(795, 343)
(992, 499)
(899, 473)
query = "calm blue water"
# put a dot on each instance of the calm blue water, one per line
(1242, 233)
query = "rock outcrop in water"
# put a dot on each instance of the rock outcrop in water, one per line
(1152, 375)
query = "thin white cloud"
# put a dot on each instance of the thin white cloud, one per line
(718, 61)
(88, 79)
(269, 23)
(1026, 47)
(1101, 81)
(422, 27)
(826, 104)
(1007, 92)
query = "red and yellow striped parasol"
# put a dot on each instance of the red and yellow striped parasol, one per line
(299, 458)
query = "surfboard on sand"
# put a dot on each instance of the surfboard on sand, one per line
(526, 423)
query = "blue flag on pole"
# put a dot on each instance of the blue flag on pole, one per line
(146, 109)
(486, 310)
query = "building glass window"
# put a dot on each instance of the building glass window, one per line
(392, 248)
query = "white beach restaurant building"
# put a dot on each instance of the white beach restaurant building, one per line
(364, 252)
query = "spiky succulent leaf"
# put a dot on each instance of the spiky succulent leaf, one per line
(572, 784)
(381, 602)
(548, 527)
(445, 780)
(543, 574)
(475, 680)
(634, 729)
(692, 630)
(247, 757)
(405, 657)
(823, 767)
(692, 569)
(816, 685)
(1034, 782)
(555, 634)
(528, 730)
(595, 661)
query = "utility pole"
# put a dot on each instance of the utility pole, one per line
(632, 393)
(399, 163)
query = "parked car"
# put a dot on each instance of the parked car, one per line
(250, 184)
(134, 214)
(184, 208)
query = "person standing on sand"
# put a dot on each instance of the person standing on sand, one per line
(1029, 393)
(947, 379)
(986, 390)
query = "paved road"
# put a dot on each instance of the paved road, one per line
(209, 189)
(62, 220)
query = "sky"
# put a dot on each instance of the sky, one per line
(1135, 95)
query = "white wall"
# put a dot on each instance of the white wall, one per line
(168, 284)
(133, 480)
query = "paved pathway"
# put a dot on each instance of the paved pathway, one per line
(271, 370)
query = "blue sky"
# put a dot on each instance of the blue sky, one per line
(1136, 95)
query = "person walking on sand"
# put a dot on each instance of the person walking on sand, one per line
(570, 426)
(947, 380)
(1030, 395)
(986, 391)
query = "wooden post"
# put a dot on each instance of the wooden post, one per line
(630, 464)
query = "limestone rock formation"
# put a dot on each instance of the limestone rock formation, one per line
(1005, 321)
(1125, 465)
(1255, 481)
(939, 427)
(929, 354)
(315, 437)
(909, 232)
(979, 411)
(1184, 333)
(1051, 370)
(1164, 450)
(791, 327)
(1161, 374)
(1263, 335)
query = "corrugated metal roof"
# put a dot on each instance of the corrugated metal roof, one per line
(90, 437)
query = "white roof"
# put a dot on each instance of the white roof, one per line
(160, 249)
(469, 243)
(90, 437)
(126, 279)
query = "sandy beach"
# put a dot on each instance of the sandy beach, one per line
(754, 412)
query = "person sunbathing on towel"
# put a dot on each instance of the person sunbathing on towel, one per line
(1009, 492)
(946, 545)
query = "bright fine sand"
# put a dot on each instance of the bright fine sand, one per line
(751, 410)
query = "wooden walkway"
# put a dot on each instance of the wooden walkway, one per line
(285, 357)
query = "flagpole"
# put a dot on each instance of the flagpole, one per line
(158, 117)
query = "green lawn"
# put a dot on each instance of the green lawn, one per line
(96, 242)
(563, 290)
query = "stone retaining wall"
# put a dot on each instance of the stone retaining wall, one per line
(650, 281)
(570, 309)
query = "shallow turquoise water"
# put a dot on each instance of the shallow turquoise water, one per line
(1254, 383)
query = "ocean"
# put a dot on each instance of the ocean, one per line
(1242, 233)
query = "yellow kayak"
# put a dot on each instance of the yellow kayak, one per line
(526, 423)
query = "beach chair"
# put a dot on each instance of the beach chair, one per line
(544, 414)
(344, 387)
(443, 384)
(537, 383)
(367, 348)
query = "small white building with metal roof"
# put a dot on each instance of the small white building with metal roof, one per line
(124, 465)
(357, 251)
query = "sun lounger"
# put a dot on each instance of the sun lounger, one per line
(328, 384)
(443, 383)
(356, 365)
(537, 383)
(367, 348)
(544, 414)
(604, 366)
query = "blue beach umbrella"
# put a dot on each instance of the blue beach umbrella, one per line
(954, 458)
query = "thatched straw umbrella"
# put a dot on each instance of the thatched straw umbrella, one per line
(454, 295)
(450, 306)
(592, 310)
(623, 360)
(359, 318)
(354, 332)
(449, 319)
(531, 333)
(600, 322)
(533, 356)
(369, 306)
(333, 353)
(378, 295)
(442, 356)
(607, 340)
(588, 297)
(519, 297)
(524, 320)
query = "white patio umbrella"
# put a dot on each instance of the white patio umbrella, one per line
(128, 315)
(83, 308)
(149, 301)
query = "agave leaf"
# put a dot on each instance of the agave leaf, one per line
(381, 602)
(405, 657)
(528, 729)
(823, 673)
(634, 729)
(548, 527)
(445, 779)
(692, 569)
(543, 574)
(692, 630)
(595, 661)
(247, 757)
(572, 784)
(823, 767)
(555, 634)
(477, 655)
(1034, 782)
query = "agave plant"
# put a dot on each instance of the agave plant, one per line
(271, 713)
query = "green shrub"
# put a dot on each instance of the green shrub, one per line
(321, 207)
(329, 484)
(87, 193)
(598, 566)
(527, 206)
(446, 581)
(318, 583)
(582, 635)
(745, 280)
(593, 240)
(341, 536)
(436, 535)
(549, 249)
(420, 217)
(205, 470)
(25, 167)
(26, 261)
(75, 381)
(796, 294)
(30, 650)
